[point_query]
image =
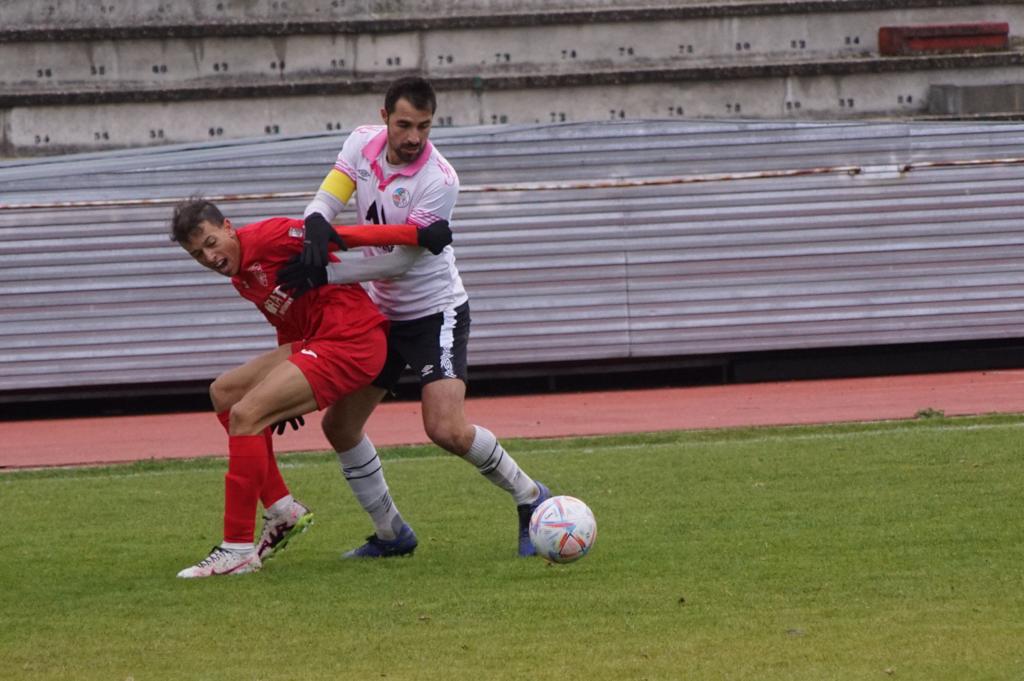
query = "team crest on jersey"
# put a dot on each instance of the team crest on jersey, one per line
(400, 197)
(363, 174)
(257, 271)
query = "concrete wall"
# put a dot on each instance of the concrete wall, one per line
(48, 13)
(70, 79)
(130, 124)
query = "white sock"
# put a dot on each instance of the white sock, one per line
(362, 470)
(495, 464)
(281, 505)
(238, 547)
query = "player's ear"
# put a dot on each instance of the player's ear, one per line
(384, 115)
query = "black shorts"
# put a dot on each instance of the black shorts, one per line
(434, 346)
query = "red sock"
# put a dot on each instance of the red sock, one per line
(247, 471)
(274, 486)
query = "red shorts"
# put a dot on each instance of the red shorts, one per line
(337, 367)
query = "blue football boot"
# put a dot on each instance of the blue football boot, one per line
(375, 547)
(525, 513)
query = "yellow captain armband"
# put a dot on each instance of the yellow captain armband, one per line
(339, 185)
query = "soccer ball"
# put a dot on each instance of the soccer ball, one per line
(563, 529)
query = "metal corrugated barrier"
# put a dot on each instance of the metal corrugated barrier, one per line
(646, 239)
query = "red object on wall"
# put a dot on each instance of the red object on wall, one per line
(909, 40)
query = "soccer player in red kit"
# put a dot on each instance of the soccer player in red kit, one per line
(331, 342)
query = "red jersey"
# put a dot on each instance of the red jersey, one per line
(333, 311)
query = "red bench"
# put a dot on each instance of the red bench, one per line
(909, 40)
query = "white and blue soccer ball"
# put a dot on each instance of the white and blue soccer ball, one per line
(563, 529)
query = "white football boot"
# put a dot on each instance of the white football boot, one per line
(279, 529)
(221, 561)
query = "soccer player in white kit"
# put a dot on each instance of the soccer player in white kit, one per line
(397, 177)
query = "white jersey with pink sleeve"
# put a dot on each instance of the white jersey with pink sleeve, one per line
(418, 193)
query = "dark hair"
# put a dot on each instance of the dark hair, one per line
(418, 91)
(191, 213)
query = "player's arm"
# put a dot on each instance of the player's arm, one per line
(434, 237)
(435, 206)
(374, 268)
(334, 192)
(297, 277)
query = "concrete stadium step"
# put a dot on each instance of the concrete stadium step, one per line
(67, 19)
(769, 93)
(71, 20)
(563, 42)
(81, 76)
(311, 83)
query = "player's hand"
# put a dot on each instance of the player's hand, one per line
(295, 423)
(296, 279)
(319, 233)
(435, 236)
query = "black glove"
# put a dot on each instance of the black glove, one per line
(296, 279)
(318, 233)
(295, 423)
(435, 236)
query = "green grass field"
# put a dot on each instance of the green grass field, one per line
(846, 552)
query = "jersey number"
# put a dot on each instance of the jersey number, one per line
(373, 217)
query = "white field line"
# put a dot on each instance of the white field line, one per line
(551, 451)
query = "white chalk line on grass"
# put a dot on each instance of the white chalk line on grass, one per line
(682, 443)
(807, 436)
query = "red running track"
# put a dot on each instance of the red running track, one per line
(129, 438)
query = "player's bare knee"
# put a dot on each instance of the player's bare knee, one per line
(243, 420)
(224, 392)
(443, 439)
(218, 395)
(339, 432)
(448, 435)
(338, 429)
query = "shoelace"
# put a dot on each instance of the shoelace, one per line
(212, 558)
